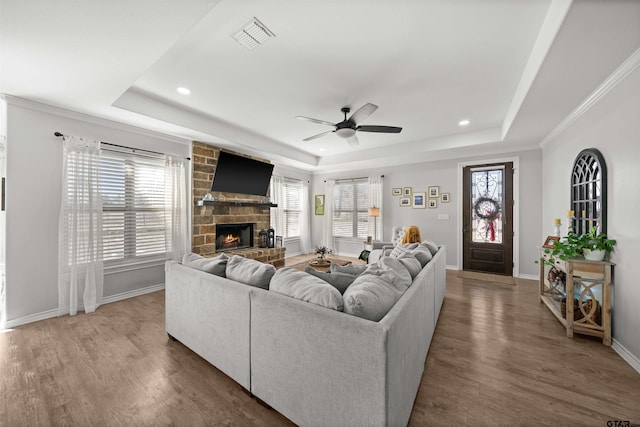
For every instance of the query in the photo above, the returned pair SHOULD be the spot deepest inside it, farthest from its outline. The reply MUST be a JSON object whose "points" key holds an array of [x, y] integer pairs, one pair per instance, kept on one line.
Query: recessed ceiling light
{"points": [[463, 122], [183, 90]]}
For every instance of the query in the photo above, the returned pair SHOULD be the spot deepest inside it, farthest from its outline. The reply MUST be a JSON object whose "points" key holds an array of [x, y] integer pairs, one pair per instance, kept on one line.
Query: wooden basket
{"points": [[577, 313]]}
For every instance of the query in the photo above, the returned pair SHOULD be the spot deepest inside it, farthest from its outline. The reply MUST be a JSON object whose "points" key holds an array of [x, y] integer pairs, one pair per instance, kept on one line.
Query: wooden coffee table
{"points": [[325, 266]]}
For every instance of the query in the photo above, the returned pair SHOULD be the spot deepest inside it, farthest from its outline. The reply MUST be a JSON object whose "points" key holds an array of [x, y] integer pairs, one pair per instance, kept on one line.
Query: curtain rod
{"points": [[352, 179], [58, 134]]}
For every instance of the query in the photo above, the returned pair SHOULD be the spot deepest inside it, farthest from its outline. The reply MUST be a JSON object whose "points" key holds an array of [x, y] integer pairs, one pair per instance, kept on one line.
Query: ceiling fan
{"points": [[347, 128]]}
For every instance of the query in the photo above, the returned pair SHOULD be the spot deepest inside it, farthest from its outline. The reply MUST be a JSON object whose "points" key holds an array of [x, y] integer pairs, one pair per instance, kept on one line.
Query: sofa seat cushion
{"points": [[306, 287], [340, 281], [249, 271], [373, 293], [216, 265]]}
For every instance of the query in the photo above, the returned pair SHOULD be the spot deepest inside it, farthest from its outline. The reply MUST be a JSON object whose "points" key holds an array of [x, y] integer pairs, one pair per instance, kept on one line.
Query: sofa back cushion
{"points": [[249, 271], [306, 287], [432, 246], [216, 265], [376, 290], [348, 269], [411, 263], [422, 254], [340, 281]]}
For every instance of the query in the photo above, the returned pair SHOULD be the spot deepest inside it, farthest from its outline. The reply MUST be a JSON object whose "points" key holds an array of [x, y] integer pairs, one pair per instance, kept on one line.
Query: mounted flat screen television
{"points": [[238, 174]]}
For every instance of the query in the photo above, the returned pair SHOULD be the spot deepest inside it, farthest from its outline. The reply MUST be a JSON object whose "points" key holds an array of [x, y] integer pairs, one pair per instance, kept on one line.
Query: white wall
{"points": [[34, 173], [612, 125], [445, 175]]}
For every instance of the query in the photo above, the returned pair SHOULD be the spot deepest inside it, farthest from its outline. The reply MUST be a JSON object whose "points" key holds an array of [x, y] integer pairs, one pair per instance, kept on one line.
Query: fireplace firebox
{"points": [[233, 236]]}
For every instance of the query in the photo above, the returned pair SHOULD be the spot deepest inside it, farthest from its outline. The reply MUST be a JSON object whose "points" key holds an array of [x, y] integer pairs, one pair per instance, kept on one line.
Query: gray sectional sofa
{"points": [[315, 365]]}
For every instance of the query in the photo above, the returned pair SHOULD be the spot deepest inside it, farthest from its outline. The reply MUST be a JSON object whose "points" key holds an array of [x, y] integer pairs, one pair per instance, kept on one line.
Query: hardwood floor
{"points": [[498, 357]]}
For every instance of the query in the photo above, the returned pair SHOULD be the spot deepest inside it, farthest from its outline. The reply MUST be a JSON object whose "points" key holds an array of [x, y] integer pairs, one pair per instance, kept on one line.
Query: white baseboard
{"points": [[30, 318], [529, 277], [628, 357], [452, 267], [133, 293], [54, 313]]}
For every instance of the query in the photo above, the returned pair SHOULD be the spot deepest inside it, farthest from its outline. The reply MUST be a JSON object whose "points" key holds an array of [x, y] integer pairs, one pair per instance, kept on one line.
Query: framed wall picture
{"points": [[419, 200], [548, 242], [319, 204], [434, 191], [433, 203], [405, 201], [406, 191], [445, 197], [396, 191]]}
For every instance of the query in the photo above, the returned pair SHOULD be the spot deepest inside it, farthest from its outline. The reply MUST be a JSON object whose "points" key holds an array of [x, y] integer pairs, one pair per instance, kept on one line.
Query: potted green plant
{"points": [[592, 245], [596, 245]]}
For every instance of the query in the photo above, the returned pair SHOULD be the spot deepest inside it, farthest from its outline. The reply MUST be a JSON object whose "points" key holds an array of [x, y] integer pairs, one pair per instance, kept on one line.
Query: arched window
{"points": [[589, 191]]}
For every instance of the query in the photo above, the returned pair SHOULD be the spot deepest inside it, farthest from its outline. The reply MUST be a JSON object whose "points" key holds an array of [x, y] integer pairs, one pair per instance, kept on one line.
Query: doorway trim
{"points": [[516, 208]]}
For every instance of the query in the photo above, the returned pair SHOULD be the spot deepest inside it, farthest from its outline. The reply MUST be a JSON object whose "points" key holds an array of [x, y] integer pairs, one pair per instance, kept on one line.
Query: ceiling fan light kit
{"points": [[345, 132], [347, 128]]}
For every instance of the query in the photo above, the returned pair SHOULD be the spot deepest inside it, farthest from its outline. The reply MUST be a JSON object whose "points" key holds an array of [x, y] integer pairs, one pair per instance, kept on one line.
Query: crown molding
{"points": [[627, 67], [70, 114]]}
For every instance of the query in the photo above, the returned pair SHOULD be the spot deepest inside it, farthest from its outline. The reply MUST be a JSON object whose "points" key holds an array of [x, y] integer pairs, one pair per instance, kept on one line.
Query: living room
{"points": [[581, 92]]}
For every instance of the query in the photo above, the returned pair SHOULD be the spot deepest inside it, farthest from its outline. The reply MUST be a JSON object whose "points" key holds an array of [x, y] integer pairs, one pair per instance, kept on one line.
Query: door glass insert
{"points": [[486, 204]]}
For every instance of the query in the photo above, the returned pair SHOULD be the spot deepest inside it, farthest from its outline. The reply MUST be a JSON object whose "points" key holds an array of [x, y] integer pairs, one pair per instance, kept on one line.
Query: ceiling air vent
{"points": [[254, 33]]}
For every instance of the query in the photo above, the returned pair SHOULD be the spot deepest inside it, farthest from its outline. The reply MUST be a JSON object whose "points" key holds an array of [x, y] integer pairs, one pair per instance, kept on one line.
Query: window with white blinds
{"points": [[291, 207], [350, 208], [133, 194]]}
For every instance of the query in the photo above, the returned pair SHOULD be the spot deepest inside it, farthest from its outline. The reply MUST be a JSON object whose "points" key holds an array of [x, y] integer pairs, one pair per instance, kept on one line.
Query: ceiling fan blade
{"points": [[382, 129], [318, 135], [353, 140], [363, 112], [320, 122]]}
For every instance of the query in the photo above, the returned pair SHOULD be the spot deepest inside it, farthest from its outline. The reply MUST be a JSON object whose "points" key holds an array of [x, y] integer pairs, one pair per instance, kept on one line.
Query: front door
{"points": [[488, 218]]}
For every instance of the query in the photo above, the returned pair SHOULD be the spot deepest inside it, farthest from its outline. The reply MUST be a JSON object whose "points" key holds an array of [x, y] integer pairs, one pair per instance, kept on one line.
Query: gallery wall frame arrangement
{"points": [[405, 202], [396, 191], [445, 197], [406, 191], [433, 203], [319, 204]]}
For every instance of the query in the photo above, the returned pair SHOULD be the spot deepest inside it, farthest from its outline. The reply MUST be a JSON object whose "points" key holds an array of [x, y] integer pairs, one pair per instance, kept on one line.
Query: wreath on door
{"points": [[488, 209]]}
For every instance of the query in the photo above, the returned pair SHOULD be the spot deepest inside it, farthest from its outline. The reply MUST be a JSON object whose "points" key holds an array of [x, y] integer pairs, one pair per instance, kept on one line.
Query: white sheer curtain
{"points": [[375, 201], [277, 197], [176, 215], [80, 266], [327, 235], [305, 231]]}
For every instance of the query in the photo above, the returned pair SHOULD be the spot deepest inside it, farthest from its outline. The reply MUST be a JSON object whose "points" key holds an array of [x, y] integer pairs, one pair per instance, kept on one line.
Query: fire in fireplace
{"points": [[233, 236]]}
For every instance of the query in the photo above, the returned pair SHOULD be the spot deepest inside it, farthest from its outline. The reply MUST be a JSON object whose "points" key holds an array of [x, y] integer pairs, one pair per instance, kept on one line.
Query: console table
{"points": [[582, 303]]}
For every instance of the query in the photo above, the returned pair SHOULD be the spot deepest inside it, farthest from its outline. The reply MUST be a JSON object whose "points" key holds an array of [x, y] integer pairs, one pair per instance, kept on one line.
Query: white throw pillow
{"points": [[249, 271], [305, 287]]}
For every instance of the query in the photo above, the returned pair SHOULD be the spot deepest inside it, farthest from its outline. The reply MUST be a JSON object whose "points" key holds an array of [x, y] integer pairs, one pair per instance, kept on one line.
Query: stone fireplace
{"points": [[226, 209], [233, 236]]}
